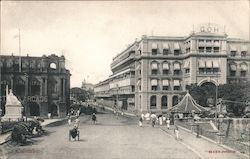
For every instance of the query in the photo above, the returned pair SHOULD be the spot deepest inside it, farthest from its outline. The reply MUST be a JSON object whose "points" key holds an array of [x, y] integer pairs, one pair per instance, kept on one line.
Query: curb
{"points": [[221, 145]]}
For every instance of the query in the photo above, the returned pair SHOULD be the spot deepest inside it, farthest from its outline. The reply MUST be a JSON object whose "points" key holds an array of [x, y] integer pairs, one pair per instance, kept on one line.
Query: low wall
{"points": [[235, 131]]}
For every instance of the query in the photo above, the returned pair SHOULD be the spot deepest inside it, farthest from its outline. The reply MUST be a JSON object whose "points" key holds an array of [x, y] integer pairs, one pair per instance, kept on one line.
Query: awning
{"points": [[165, 46], [165, 82], [165, 66], [176, 46], [186, 64], [209, 64], [233, 67], [154, 82], [215, 64], [176, 82], [233, 48], [138, 82], [154, 46], [244, 48], [243, 67], [202, 64], [154, 66], [177, 66], [120, 73]]}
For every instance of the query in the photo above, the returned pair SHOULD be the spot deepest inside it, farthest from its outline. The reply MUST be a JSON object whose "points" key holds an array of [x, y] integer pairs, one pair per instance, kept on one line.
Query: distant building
{"points": [[153, 73], [87, 86], [42, 84]]}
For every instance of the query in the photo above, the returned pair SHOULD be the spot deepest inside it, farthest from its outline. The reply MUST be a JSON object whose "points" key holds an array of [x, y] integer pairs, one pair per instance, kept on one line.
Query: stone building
{"points": [[153, 73], [42, 84]]}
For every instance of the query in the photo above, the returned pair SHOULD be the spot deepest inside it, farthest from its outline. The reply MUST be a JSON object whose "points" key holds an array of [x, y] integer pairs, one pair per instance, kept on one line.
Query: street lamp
{"points": [[220, 134]]}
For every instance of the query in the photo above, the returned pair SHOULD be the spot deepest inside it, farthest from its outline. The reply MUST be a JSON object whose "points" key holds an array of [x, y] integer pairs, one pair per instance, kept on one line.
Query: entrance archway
{"points": [[54, 109], [34, 109]]}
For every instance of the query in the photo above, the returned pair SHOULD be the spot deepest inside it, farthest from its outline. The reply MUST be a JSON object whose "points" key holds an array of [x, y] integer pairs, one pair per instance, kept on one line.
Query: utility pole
{"points": [[19, 36]]}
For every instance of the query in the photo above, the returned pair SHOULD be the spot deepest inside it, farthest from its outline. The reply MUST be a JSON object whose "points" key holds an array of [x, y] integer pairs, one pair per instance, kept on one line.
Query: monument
{"points": [[13, 107]]}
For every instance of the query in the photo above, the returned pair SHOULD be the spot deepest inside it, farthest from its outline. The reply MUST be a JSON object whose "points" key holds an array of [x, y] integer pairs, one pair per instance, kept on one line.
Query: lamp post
{"points": [[221, 118]]}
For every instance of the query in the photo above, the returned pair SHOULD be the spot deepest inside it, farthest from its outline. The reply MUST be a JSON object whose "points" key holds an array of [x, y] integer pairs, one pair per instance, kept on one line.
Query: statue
{"points": [[13, 107]]}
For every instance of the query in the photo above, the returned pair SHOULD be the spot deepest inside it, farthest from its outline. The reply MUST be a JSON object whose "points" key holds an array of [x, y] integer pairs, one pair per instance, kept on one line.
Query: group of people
{"points": [[161, 119]]}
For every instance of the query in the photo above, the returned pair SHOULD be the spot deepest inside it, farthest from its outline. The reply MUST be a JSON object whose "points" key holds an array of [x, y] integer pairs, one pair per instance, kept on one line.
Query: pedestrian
{"points": [[69, 120], [168, 123], [140, 121], [153, 122], [94, 118], [176, 131], [77, 122]]}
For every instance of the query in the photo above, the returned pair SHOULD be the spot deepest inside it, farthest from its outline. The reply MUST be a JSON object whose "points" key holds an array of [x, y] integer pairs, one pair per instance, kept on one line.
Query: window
{"points": [[215, 70], [201, 41], [187, 50], [164, 102], [165, 72], [176, 52], [201, 49], [154, 72], [216, 42], [154, 51], [209, 70], [187, 70], [202, 71], [165, 51], [153, 102], [176, 87], [177, 72], [208, 49], [154, 84], [232, 73], [233, 53], [243, 73], [243, 54], [216, 49], [175, 100], [52, 65], [165, 84], [208, 41]]}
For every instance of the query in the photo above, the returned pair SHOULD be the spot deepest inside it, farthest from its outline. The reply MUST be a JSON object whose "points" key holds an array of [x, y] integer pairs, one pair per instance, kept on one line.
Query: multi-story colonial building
{"points": [[42, 84], [154, 72]]}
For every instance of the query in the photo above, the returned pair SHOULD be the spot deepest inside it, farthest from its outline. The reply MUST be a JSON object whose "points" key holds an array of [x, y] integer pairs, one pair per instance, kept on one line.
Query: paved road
{"points": [[110, 138]]}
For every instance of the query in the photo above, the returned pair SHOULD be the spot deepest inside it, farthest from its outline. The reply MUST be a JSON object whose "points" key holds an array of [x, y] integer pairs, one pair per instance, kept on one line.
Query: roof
{"points": [[187, 105]]}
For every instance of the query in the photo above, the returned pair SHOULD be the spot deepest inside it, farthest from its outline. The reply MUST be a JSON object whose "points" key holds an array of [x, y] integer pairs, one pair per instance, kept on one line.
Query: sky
{"points": [[89, 34]]}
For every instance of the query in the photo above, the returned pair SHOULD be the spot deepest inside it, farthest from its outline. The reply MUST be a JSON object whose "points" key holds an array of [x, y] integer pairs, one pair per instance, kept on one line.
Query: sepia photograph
{"points": [[125, 79]]}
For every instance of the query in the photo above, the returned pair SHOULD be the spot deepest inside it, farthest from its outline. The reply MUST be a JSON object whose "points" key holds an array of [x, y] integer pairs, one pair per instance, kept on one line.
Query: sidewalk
{"points": [[4, 137], [203, 147]]}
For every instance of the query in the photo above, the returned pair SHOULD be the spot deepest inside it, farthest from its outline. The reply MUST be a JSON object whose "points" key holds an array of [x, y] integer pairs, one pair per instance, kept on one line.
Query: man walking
{"points": [[94, 118]]}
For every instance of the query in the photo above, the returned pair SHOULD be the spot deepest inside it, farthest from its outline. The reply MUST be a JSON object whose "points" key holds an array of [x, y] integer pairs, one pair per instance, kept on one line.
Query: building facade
{"points": [[42, 84], [153, 73]]}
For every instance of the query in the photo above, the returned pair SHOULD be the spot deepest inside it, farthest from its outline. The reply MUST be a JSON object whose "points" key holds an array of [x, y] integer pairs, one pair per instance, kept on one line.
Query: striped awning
{"points": [[165, 66], [202, 64], [165, 82], [209, 64], [215, 64], [177, 66], [165, 46], [154, 82], [154, 46], [233, 67], [186, 64], [154, 65], [243, 67], [176, 46], [177, 83], [233, 48]]}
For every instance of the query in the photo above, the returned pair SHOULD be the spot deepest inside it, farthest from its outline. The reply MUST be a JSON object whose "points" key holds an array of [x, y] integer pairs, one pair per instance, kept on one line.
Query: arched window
{"points": [[175, 100], [164, 102], [52, 65], [153, 102]]}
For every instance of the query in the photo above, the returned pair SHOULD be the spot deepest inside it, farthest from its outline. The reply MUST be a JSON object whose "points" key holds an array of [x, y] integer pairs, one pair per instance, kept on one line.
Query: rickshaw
{"points": [[74, 133]]}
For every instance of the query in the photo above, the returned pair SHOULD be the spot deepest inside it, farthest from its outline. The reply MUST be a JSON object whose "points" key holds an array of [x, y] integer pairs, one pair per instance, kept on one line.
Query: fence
{"points": [[234, 133]]}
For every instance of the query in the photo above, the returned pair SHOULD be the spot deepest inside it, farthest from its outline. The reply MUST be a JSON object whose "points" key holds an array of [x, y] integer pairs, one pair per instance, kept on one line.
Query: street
{"points": [[109, 138]]}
